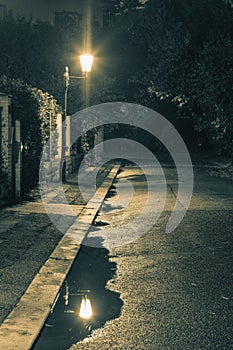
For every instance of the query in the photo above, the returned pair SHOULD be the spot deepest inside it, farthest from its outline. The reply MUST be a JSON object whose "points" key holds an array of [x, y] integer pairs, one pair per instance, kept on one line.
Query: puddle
{"points": [[88, 277], [100, 223]]}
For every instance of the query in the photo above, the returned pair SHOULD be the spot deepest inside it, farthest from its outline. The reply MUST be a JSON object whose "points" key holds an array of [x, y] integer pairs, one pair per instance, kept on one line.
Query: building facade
{"points": [[50, 10]]}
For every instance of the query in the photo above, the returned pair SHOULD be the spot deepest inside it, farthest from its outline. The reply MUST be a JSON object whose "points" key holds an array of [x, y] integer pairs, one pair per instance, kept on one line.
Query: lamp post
{"points": [[86, 64]]}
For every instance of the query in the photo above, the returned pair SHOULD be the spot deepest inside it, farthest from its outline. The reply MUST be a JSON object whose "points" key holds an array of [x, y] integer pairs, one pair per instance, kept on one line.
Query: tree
{"points": [[121, 7], [37, 52]]}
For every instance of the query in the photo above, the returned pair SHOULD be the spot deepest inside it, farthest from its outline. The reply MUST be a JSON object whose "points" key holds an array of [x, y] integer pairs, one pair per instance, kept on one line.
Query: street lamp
{"points": [[86, 64], [86, 61]]}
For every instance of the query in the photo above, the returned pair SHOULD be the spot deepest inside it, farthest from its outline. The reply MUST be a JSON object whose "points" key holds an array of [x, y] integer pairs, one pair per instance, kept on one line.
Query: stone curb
{"points": [[23, 325]]}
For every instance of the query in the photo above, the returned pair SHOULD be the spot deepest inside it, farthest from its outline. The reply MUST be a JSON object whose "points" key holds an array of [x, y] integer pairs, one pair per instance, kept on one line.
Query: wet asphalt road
{"points": [[177, 288], [162, 291]]}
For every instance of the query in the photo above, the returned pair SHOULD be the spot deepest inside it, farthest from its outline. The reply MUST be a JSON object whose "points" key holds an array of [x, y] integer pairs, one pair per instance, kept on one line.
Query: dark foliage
{"points": [[37, 111], [174, 56]]}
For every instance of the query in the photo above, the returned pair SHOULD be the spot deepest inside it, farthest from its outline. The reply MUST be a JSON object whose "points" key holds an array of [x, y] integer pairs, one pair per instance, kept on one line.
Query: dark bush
{"points": [[36, 110]]}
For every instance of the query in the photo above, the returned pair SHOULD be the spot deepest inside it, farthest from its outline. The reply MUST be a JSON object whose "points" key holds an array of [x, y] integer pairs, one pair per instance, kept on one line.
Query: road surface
{"points": [[177, 288], [161, 291]]}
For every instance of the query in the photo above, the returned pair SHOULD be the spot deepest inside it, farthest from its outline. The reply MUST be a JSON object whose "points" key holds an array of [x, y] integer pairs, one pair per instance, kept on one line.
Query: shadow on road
{"points": [[88, 275]]}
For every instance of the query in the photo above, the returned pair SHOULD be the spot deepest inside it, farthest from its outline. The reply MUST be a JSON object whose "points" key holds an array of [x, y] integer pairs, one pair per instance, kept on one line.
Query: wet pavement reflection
{"points": [[86, 281]]}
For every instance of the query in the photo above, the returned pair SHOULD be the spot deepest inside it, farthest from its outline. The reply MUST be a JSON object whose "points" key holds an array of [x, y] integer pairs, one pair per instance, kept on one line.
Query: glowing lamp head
{"points": [[86, 309], [86, 62]]}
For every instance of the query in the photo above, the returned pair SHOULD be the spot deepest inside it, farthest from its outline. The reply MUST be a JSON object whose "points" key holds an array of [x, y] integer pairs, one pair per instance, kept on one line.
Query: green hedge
{"points": [[36, 110]]}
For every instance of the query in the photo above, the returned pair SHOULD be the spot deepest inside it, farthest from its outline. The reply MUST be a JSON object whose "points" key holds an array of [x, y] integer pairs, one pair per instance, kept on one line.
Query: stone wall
{"points": [[11, 155], [6, 190]]}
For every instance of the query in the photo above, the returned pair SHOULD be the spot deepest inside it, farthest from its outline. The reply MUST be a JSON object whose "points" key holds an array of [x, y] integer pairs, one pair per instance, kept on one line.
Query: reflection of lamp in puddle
{"points": [[85, 308]]}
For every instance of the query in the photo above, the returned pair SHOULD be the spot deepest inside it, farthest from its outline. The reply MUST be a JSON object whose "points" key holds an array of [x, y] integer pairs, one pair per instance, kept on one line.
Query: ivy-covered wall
{"points": [[37, 112]]}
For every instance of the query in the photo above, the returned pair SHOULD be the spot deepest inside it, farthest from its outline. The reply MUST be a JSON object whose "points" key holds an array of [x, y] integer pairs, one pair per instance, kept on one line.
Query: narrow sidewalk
{"points": [[28, 237]]}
